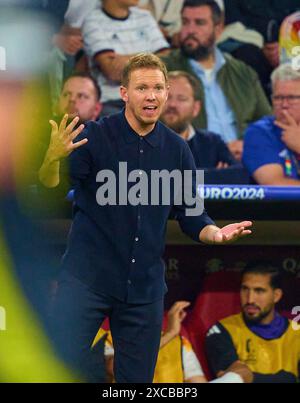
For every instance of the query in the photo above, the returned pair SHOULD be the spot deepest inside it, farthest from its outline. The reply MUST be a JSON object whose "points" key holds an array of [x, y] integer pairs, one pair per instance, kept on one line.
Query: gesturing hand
{"points": [[232, 232], [62, 136], [175, 316], [291, 132]]}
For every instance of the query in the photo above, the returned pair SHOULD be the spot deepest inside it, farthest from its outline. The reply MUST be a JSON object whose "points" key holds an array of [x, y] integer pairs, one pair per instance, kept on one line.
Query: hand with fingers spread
{"points": [[61, 145], [291, 132], [62, 137], [228, 234]]}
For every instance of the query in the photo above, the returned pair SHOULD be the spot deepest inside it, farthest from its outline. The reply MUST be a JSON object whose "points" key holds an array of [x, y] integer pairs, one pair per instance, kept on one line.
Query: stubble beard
{"points": [[201, 52]]}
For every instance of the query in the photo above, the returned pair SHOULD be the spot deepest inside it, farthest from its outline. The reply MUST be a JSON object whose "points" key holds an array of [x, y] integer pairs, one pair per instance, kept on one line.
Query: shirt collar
{"points": [[130, 136], [191, 133], [219, 62]]}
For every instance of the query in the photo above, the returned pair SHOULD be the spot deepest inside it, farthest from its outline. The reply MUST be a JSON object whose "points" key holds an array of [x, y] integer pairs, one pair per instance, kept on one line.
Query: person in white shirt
{"points": [[112, 34]]}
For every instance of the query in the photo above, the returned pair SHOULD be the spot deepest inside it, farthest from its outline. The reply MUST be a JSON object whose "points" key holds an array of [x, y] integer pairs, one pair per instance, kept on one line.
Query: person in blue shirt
{"points": [[112, 266], [272, 144]]}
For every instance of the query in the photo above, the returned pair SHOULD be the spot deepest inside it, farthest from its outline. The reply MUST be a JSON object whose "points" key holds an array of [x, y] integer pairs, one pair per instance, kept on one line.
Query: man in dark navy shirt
{"points": [[210, 152], [183, 105], [112, 266]]}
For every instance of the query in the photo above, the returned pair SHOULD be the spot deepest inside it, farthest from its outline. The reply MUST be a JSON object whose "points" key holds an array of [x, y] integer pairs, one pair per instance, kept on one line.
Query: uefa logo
{"points": [[2, 319], [2, 58]]}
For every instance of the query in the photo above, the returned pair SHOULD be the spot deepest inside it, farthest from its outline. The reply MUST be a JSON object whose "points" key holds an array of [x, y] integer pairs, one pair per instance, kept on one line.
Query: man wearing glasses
{"points": [[272, 144]]}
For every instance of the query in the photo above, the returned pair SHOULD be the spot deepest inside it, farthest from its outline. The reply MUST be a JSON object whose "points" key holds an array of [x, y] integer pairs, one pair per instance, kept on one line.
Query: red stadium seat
{"points": [[219, 298]]}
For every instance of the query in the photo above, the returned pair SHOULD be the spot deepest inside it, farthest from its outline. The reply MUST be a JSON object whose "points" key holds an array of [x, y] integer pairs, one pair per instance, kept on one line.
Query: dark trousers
{"points": [[77, 315]]}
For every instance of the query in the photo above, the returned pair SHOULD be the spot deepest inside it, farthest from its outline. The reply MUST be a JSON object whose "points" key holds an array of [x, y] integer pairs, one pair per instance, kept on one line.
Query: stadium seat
{"points": [[219, 298]]}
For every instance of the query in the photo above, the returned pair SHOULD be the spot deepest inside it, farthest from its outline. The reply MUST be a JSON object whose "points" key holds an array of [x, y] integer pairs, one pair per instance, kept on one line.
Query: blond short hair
{"points": [[143, 61]]}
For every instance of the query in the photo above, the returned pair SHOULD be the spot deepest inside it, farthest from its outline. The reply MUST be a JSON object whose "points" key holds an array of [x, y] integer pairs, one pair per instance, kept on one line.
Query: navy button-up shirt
{"points": [[117, 249]]}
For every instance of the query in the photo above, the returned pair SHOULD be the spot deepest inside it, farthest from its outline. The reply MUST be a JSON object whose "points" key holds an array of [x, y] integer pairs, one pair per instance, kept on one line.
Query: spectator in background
{"points": [[112, 34], [176, 362], [289, 40], [231, 94], [258, 336], [263, 16], [80, 97], [167, 14], [272, 144], [182, 106], [68, 40]]}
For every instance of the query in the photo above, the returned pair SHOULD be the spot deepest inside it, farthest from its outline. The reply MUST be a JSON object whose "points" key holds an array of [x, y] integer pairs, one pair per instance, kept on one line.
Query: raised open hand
{"points": [[62, 137]]}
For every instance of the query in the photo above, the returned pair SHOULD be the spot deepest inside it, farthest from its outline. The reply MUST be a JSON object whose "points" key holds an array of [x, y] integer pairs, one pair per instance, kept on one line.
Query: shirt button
{"points": [[136, 239], [129, 282], [141, 151], [139, 217], [133, 260]]}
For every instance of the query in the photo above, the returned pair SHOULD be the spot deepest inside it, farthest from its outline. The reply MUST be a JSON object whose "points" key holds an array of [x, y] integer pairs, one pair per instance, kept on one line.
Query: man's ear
{"points": [[197, 108], [277, 295], [219, 28], [98, 109], [168, 90], [124, 93]]}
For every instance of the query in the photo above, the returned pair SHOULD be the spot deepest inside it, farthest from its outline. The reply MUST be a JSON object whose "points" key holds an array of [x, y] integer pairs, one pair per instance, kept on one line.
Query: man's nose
{"points": [[151, 95], [285, 103], [251, 297], [189, 29]]}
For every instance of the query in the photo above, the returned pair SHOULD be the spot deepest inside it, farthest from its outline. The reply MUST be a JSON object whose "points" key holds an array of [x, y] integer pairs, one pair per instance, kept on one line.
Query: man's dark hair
{"points": [[265, 268], [216, 12], [89, 77]]}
